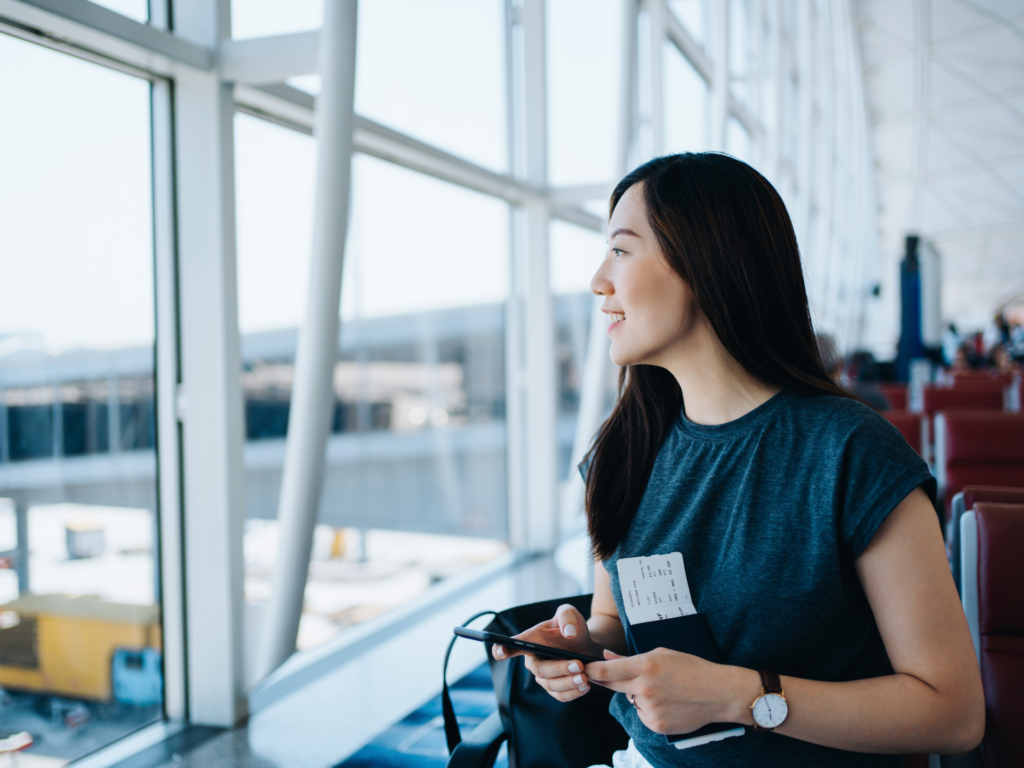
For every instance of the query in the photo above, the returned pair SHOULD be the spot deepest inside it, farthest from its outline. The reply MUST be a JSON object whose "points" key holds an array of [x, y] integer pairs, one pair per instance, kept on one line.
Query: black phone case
{"points": [[686, 634]]}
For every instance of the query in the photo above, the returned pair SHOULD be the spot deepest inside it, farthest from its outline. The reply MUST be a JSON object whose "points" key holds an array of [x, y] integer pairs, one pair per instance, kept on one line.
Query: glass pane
{"points": [[576, 254], [741, 50], [80, 637], [263, 18], [436, 71], [584, 44], [686, 104], [275, 172], [737, 141], [133, 9], [415, 484], [695, 17]]}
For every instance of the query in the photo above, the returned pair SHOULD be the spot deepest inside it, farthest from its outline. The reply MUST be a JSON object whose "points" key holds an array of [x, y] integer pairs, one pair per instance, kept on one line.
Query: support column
{"points": [[317, 352], [656, 11], [720, 81], [922, 104], [530, 340], [58, 422], [213, 425], [5, 435], [595, 371], [170, 573], [805, 135], [21, 563], [628, 98], [113, 416]]}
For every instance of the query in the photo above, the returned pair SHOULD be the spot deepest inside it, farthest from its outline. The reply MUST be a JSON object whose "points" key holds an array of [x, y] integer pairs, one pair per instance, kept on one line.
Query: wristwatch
{"points": [[770, 708]]}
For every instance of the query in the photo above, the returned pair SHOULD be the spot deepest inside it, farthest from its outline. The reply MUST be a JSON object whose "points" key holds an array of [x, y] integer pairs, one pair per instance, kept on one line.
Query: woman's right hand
{"points": [[565, 680]]}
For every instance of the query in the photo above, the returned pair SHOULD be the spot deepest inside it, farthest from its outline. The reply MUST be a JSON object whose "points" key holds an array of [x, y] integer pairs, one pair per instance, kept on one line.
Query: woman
{"points": [[805, 522]]}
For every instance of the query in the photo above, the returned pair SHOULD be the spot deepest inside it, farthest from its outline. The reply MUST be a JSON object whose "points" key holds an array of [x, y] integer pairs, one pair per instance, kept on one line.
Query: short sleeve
{"points": [[879, 470]]}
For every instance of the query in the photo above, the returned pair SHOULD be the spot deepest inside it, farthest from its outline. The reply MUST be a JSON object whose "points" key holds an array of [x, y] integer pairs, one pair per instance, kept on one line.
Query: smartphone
{"points": [[510, 642]]}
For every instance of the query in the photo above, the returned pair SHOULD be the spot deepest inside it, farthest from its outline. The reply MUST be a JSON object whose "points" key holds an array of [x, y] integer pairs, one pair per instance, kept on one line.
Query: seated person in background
{"points": [[1003, 362], [805, 522]]}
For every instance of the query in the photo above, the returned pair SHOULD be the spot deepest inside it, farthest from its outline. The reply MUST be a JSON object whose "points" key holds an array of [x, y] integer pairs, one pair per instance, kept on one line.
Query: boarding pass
{"points": [[654, 588]]}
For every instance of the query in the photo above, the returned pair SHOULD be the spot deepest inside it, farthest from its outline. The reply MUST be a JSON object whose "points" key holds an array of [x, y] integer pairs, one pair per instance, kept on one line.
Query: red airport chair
{"points": [[991, 540], [968, 378], [896, 394], [977, 448], [965, 500], [913, 427], [954, 399]]}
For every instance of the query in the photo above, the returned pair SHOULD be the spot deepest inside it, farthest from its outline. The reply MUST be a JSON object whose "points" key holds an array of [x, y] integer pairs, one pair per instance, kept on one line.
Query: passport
{"points": [[686, 634]]}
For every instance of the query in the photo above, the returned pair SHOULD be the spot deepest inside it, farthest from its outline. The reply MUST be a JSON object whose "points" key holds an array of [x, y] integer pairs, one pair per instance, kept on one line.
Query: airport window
{"points": [[686, 104], [584, 42], [695, 17], [417, 446], [576, 253], [133, 9], [78, 588]]}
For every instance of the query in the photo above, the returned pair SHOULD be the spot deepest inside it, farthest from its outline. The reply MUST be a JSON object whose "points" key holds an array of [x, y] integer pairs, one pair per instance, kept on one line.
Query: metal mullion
{"points": [[691, 50], [43, 38], [167, 379], [292, 108], [91, 20]]}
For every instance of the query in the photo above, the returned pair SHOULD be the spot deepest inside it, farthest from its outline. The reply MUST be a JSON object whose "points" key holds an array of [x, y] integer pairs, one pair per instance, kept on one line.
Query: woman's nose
{"points": [[600, 284]]}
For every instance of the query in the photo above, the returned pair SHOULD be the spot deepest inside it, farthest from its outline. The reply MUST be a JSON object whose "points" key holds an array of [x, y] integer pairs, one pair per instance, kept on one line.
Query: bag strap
{"points": [[451, 724], [480, 749]]}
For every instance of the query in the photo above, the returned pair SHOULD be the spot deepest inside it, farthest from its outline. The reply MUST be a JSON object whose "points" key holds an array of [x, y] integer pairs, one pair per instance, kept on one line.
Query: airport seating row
{"points": [[976, 447], [990, 544]]}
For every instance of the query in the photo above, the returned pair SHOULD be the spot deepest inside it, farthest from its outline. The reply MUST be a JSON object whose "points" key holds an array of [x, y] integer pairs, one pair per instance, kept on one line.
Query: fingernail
{"points": [[583, 688], [569, 630], [499, 651], [578, 679], [574, 667]]}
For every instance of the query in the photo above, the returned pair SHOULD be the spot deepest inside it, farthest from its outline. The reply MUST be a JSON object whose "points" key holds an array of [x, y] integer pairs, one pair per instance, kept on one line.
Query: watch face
{"points": [[770, 710]]}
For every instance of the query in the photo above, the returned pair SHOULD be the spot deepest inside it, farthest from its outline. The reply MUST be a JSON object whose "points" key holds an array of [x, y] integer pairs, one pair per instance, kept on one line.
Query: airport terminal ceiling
{"points": [[944, 86]]}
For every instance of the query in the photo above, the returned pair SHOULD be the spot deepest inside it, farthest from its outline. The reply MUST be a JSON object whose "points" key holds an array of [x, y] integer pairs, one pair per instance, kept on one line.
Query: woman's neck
{"points": [[716, 389]]}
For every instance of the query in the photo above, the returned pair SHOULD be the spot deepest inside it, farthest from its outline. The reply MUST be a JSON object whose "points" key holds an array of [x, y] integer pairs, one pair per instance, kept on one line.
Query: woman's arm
{"points": [[932, 703], [605, 625]]}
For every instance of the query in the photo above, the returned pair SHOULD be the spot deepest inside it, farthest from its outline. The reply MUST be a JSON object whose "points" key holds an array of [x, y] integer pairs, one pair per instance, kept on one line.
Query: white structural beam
{"points": [[269, 59], [720, 78], [99, 29], [690, 48], [295, 108], [211, 364], [629, 98], [579, 217], [171, 594], [656, 13], [172, 579], [530, 340], [580, 194], [317, 352], [922, 105]]}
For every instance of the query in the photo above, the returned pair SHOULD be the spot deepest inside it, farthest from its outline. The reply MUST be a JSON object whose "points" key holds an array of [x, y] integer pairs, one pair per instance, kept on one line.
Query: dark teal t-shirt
{"points": [[769, 512]]}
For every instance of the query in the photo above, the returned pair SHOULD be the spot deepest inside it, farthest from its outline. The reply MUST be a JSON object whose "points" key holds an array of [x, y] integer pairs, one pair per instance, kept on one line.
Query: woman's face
{"points": [[651, 311]]}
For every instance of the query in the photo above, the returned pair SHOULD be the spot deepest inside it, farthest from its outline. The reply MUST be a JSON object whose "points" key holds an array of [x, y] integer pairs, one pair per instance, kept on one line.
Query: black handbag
{"points": [[541, 731]]}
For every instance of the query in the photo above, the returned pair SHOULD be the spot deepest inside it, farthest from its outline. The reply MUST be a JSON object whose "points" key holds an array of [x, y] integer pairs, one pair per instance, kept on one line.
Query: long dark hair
{"points": [[724, 229]]}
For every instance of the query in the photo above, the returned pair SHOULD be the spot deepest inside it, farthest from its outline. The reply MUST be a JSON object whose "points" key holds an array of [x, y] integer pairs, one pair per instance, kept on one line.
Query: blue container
{"points": [[137, 676]]}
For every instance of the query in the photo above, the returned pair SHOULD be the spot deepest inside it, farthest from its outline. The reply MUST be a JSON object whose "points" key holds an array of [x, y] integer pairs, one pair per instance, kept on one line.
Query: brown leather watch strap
{"points": [[770, 682]]}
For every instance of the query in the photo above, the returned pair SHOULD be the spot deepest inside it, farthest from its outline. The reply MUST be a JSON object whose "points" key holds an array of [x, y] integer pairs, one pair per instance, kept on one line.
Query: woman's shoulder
{"points": [[835, 415]]}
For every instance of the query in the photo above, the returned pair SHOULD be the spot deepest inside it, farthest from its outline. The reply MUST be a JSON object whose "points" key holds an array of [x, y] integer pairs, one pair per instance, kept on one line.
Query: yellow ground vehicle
{"points": [[53, 644]]}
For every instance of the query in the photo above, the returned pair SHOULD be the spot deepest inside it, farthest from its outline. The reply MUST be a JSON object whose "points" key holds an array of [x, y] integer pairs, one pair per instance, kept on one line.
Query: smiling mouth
{"points": [[614, 318]]}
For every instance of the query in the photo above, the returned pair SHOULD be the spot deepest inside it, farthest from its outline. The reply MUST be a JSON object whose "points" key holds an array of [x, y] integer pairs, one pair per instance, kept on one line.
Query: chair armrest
{"points": [[480, 748]]}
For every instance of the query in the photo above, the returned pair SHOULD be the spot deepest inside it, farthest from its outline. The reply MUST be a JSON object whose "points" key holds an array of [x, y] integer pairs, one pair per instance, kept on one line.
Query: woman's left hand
{"points": [[675, 692]]}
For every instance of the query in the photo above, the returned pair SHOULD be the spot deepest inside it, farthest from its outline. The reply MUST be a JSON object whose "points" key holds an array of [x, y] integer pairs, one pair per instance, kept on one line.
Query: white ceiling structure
{"points": [[944, 86]]}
